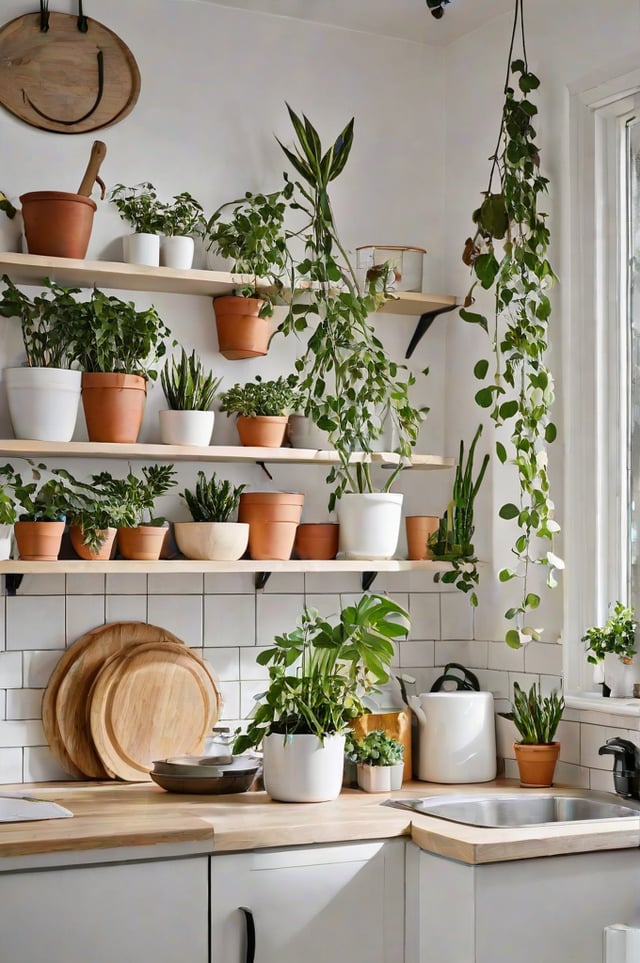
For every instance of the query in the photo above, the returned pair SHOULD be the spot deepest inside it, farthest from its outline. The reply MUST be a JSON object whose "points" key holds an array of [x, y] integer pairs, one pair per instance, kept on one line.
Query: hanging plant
{"points": [[508, 254]]}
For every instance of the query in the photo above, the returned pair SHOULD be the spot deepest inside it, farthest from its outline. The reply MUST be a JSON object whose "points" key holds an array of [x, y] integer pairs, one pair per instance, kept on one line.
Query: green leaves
{"points": [[212, 500], [186, 384], [474, 318], [275, 398], [617, 635], [536, 717]]}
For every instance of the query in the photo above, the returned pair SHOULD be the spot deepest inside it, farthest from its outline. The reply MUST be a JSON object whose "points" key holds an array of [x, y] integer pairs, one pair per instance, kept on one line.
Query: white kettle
{"points": [[456, 736]]}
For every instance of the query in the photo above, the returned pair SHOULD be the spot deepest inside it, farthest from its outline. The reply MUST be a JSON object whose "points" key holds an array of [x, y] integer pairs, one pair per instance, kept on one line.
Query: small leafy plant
{"points": [[617, 635], [378, 749], [95, 507], [536, 718], [182, 216], [273, 398], [186, 384], [35, 500], [137, 495], [44, 321], [7, 207], [139, 206], [212, 500]]}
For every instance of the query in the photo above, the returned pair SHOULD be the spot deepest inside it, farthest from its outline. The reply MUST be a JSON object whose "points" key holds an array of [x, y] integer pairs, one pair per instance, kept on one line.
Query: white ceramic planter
{"points": [[177, 252], [380, 778], [369, 525], [301, 768], [212, 541], [618, 676], [186, 427], [142, 249], [43, 402]]}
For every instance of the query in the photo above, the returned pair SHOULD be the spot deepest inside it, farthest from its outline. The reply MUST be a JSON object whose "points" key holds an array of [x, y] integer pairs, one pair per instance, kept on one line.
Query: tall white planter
{"points": [[177, 252], [186, 427], [142, 249], [369, 525], [43, 402], [301, 768]]}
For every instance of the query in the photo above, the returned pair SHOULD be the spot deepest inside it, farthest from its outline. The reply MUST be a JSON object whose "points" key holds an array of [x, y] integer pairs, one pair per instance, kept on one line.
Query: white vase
{"points": [[142, 249], [186, 427], [618, 676], [380, 778], [301, 768], [212, 541], [177, 252], [369, 525], [43, 402]]}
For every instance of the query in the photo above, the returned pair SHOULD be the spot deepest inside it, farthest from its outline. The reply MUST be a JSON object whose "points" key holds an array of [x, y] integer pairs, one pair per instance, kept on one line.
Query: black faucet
{"points": [[626, 769]]}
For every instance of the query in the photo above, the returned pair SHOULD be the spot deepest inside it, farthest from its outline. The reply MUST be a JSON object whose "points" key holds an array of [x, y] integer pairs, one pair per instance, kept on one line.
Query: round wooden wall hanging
{"points": [[64, 73]]}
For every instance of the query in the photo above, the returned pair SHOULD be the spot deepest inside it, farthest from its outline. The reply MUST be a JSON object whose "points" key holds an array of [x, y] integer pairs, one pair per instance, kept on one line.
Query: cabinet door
{"points": [[310, 905], [98, 914]]}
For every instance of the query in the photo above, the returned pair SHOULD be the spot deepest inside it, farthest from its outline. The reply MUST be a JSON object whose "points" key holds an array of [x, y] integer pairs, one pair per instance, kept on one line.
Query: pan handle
{"points": [[98, 154], [250, 953]]}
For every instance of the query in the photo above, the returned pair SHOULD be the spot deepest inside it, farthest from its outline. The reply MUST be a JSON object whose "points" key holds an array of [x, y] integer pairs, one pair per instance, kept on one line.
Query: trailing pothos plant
{"points": [[347, 378], [508, 254]]}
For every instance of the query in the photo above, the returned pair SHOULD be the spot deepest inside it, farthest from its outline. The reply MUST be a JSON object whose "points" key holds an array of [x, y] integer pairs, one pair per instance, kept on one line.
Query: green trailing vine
{"points": [[519, 391]]}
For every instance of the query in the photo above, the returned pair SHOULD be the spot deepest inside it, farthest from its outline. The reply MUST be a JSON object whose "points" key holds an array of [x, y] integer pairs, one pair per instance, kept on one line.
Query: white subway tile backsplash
{"points": [[285, 583], [24, 704], [84, 612], [601, 781], [229, 620], [224, 662], [180, 614], [85, 583], [328, 606], [276, 614], [248, 690], [504, 658], [568, 735], [42, 585], [125, 608], [392, 583], [456, 617], [496, 682], [164, 583], [37, 668], [3, 703], [11, 670], [416, 653], [238, 583], [591, 738], [543, 657], [22, 733], [250, 670], [424, 676], [230, 692], [126, 584], [524, 680], [40, 766], [471, 654], [333, 582], [549, 684], [36, 622], [571, 775], [10, 765], [424, 611]]}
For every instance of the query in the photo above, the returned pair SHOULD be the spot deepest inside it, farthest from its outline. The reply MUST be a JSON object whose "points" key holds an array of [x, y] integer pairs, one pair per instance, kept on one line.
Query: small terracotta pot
{"points": [[419, 528], [536, 764], [56, 223], [144, 542], [262, 431], [113, 406], [241, 333], [39, 541], [271, 540], [105, 551], [317, 540], [270, 507]]}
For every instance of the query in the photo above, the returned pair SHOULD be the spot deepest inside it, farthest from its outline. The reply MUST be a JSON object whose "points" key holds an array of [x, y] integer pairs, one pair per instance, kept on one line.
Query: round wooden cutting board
{"points": [[64, 705], [148, 702]]}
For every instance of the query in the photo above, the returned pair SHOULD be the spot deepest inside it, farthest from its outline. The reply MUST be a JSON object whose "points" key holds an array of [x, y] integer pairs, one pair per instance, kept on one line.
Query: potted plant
{"points": [[44, 394], [180, 219], [93, 516], [117, 347], [211, 534], [190, 391], [252, 238], [139, 206], [262, 409], [37, 510], [273, 519], [140, 535], [379, 762], [536, 718], [319, 540], [611, 644], [319, 677]]}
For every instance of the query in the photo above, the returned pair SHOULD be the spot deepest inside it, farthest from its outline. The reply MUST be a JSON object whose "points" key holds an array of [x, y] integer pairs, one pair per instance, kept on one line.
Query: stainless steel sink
{"points": [[501, 810]]}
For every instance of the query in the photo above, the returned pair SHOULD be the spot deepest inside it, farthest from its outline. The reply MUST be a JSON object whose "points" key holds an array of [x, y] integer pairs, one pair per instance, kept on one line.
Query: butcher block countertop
{"points": [[110, 816]]}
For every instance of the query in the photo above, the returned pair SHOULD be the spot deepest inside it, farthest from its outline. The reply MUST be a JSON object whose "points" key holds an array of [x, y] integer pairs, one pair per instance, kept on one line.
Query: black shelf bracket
{"points": [[424, 323], [367, 580], [261, 579], [265, 470], [12, 583]]}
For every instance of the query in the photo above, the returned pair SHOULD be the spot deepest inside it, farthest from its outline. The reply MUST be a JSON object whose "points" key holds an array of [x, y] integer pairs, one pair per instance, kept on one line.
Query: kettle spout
{"points": [[416, 705]]}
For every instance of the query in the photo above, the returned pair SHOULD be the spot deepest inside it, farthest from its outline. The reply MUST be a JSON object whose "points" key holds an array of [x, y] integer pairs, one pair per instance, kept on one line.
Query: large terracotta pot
{"points": [[272, 540], [143, 543], [241, 333], [262, 431], [113, 406], [39, 541], [105, 551], [419, 528], [317, 540], [536, 764], [56, 223], [273, 518]]}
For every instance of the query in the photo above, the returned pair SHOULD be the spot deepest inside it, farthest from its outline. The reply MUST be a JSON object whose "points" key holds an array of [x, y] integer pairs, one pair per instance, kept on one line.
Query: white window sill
{"points": [[594, 702]]}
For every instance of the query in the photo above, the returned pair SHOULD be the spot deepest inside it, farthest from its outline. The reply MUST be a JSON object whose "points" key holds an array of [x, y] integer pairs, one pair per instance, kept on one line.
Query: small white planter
{"points": [[380, 778], [43, 402], [186, 427], [177, 252], [369, 525], [212, 541], [301, 768], [142, 249]]}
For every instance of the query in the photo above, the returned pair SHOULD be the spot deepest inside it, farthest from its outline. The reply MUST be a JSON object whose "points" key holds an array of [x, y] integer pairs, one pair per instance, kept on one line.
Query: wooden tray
{"points": [[148, 702], [64, 716]]}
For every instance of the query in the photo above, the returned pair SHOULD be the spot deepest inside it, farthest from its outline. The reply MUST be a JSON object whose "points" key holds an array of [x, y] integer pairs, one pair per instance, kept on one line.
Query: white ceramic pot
{"points": [[619, 677], [177, 252], [457, 736], [186, 427], [142, 249], [380, 778], [303, 433], [301, 768], [369, 525], [212, 541], [43, 402]]}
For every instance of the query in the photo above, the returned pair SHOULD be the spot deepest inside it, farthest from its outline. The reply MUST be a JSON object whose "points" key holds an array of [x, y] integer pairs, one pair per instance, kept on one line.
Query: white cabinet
{"points": [[311, 905], [130, 912]]}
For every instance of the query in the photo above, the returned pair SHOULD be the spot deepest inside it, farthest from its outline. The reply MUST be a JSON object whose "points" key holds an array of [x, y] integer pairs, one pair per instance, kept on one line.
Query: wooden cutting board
{"points": [[64, 716], [151, 701]]}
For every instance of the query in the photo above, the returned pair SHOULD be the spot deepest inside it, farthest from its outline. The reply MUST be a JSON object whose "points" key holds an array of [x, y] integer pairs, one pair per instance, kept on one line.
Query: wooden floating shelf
{"points": [[186, 566], [33, 268], [16, 448]]}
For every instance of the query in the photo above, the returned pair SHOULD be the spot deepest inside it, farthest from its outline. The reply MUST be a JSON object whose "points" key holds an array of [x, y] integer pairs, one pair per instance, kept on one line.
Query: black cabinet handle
{"points": [[250, 953]]}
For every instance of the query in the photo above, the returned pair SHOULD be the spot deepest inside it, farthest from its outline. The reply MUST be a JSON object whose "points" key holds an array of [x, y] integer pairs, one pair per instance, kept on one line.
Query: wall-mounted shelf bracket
{"points": [[424, 323], [367, 580], [12, 583], [265, 470], [260, 580]]}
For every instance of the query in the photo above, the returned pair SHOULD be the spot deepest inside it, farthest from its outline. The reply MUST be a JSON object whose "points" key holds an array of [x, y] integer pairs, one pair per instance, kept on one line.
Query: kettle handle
{"points": [[416, 705]]}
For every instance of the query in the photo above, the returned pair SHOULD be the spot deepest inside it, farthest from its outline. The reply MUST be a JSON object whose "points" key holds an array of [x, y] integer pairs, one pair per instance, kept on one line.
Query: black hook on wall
{"points": [[44, 16]]}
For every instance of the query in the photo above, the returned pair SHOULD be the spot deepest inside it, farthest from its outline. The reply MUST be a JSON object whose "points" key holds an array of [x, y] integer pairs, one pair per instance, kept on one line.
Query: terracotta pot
{"points": [[262, 431], [419, 528], [113, 406], [56, 223], [271, 540], [270, 507], [39, 541], [536, 764], [144, 542], [105, 551], [317, 540], [241, 333]]}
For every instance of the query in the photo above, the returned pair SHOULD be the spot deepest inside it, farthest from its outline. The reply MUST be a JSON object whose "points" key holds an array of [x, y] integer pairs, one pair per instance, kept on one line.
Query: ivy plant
{"points": [[139, 206], [182, 216], [508, 255]]}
